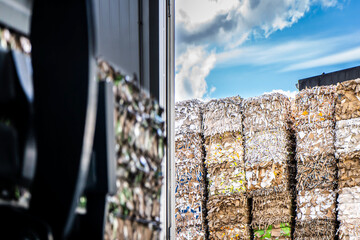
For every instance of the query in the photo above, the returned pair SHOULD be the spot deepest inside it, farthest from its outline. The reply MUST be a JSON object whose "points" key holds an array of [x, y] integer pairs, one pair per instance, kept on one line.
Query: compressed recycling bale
{"points": [[134, 211], [222, 115], [135, 201], [231, 232], [348, 100], [349, 213], [347, 134], [188, 117], [269, 179], [189, 179], [227, 147], [272, 209], [189, 166], [188, 148], [267, 146], [269, 164], [125, 229], [269, 111], [316, 172], [226, 179], [189, 210], [227, 210], [277, 231], [190, 233], [314, 105], [315, 140], [316, 214], [316, 204], [349, 170], [225, 163], [315, 229]]}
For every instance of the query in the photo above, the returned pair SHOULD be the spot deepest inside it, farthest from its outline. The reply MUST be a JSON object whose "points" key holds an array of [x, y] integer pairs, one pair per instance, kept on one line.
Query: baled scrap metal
{"points": [[227, 210], [349, 212], [315, 229], [222, 115], [188, 117], [231, 232], [272, 209], [269, 111], [349, 170], [314, 106], [191, 233], [347, 137], [348, 100]]}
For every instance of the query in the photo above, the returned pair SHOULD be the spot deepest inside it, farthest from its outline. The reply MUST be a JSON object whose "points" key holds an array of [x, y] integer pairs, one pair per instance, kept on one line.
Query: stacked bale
{"points": [[269, 164], [316, 164], [190, 173], [134, 212], [347, 144], [227, 206]]}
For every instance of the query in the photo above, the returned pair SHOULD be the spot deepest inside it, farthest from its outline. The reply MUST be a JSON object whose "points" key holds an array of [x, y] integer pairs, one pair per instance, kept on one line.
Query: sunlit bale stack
{"points": [[227, 206], [313, 112], [190, 173], [347, 144], [269, 164], [134, 212]]}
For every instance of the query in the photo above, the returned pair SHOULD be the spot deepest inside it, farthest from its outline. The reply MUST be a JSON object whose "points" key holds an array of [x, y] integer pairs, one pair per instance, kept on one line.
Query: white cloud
{"points": [[341, 57], [228, 24], [288, 53], [290, 94], [192, 67]]}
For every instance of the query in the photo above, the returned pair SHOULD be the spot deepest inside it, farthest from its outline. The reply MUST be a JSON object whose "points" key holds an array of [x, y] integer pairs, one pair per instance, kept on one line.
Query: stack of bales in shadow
{"points": [[190, 173], [316, 164], [227, 206], [347, 144], [134, 212], [269, 165]]}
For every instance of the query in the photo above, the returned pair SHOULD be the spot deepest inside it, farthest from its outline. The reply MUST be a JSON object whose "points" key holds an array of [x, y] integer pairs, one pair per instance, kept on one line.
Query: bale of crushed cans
{"points": [[190, 196], [347, 142], [228, 209], [134, 211], [269, 164], [314, 118]]}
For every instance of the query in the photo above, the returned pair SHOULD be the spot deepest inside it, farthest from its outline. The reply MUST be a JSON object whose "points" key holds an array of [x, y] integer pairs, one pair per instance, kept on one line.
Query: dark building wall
{"points": [[128, 37]]}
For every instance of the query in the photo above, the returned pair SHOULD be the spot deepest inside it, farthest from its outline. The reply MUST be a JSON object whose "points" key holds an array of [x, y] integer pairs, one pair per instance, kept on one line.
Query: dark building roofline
{"points": [[330, 78]]}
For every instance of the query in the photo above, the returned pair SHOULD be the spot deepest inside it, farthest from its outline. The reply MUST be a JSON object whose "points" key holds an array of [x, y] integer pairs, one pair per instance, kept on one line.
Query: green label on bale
{"points": [[285, 231]]}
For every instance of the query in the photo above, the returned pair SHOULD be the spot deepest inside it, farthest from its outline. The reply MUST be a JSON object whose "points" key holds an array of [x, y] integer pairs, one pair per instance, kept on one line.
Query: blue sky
{"points": [[249, 47]]}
